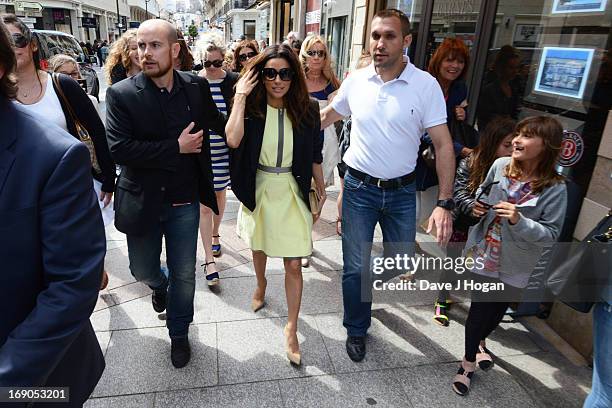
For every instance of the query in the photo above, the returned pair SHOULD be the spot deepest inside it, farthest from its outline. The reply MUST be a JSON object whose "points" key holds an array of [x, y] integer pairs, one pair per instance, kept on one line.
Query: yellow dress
{"points": [[281, 225]]}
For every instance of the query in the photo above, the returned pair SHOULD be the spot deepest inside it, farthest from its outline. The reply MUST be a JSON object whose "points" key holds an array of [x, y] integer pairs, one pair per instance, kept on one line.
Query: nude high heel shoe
{"points": [[256, 303], [294, 357]]}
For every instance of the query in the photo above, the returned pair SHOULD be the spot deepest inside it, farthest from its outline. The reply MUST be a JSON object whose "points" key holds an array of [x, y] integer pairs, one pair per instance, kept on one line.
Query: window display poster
{"points": [[564, 71], [578, 6], [526, 35]]}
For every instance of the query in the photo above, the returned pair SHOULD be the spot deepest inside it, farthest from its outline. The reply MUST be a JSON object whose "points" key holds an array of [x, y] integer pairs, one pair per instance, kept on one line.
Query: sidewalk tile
{"points": [[254, 350], [253, 395], [432, 384], [550, 378], [127, 401], [138, 361], [379, 388], [104, 339], [387, 347]]}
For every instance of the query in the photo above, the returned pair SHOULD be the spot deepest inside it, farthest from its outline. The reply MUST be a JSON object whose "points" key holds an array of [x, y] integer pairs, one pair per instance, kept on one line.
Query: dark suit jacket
{"points": [[87, 114], [52, 253], [137, 136], [307, 149]]}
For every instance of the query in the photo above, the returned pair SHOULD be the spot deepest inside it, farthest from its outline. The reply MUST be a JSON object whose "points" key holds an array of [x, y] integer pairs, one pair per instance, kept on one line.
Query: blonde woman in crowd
{"points": [[122, 61], [65, 64], [322, 84]]}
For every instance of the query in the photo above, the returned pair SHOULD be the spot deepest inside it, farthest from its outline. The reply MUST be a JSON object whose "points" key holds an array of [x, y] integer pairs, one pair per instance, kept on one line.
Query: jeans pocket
{"points": [[351, 183]]}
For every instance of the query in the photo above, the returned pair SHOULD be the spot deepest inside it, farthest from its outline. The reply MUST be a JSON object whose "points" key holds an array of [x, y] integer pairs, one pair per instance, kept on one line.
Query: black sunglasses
{"points": [[486, 190], [285, 74], [319, 53], [215, 63], [20, 40], [247, 56]]}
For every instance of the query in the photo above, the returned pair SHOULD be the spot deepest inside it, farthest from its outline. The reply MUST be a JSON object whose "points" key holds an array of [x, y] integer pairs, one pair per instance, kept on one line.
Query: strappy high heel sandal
{"points": [[461, 382], [440, 317], [212, 279], [484, 359], [216, 248]]}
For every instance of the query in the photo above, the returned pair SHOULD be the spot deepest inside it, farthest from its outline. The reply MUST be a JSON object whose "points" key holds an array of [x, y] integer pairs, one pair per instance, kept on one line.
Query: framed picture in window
{"points": [[578, 6], [564, 71]]}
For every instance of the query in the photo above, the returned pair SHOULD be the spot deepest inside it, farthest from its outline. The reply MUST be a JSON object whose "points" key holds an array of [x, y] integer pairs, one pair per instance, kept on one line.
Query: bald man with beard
{"points": [[157, 130]]}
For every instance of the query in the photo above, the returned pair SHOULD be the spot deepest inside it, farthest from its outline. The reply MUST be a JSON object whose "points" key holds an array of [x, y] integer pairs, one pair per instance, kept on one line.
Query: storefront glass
{"points": [[552, 57], [412, 8]]}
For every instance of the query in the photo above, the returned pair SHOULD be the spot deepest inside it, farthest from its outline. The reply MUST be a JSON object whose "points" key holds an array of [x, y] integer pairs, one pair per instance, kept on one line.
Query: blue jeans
{"points": [[179, 226], [601, 394], [364, 205]]}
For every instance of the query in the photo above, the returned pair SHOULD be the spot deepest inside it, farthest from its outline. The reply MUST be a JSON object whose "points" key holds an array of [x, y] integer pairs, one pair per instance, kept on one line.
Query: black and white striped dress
{"points": [[219, 152]]}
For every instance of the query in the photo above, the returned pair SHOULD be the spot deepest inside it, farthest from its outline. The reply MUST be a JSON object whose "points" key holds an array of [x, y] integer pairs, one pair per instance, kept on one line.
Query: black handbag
{"points": [[579, 273]]}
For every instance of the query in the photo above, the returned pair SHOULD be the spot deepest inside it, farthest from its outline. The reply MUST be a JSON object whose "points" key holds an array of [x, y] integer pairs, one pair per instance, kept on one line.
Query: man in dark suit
{"points": [[157, 125], [52, 250]]}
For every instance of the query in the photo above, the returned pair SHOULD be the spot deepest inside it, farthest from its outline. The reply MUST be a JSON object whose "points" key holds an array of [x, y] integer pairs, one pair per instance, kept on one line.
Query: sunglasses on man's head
{"points": [[486, 190], [215, 63], [319, 53], [20, 40], [244, 57], [285, 74]]}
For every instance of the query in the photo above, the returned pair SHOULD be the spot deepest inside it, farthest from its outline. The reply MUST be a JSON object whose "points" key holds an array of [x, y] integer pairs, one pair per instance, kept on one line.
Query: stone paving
{"points": [[238, 357]]}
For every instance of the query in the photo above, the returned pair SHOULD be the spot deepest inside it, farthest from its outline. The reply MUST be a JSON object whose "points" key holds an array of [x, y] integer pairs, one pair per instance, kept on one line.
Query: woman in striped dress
{"points": [[221, 87]]}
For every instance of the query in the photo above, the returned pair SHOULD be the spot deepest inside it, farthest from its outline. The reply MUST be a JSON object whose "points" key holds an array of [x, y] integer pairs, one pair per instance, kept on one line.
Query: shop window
{"points": [[249, 29], [552, 57], [412, 8]]}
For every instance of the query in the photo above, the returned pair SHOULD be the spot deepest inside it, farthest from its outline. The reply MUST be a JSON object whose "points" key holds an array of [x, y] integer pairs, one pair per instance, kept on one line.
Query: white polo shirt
{"points": [[389, 118]]}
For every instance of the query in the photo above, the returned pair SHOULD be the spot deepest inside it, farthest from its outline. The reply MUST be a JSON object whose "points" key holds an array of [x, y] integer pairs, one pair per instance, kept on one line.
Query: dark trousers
{"points": [[486, 312], [179, 226]]}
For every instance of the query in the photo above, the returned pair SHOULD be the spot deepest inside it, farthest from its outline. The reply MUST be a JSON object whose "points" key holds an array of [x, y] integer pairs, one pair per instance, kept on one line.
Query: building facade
{"points": [[87, 20]]}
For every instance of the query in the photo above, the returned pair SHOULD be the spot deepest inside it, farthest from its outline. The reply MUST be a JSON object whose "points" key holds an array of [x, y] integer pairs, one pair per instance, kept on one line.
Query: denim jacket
{"points": [[539, 226]]}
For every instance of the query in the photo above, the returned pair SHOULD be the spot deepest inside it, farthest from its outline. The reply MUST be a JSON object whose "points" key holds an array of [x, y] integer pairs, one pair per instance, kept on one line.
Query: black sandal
{"points": [[212, 279], [216, 248]]}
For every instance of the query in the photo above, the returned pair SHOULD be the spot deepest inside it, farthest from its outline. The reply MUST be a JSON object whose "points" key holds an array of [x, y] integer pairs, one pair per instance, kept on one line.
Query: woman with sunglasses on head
{"points": [[245, 51], [61, 102], [495, 142], [222, 90], [122, 61], [521, 205], [273, 130]]}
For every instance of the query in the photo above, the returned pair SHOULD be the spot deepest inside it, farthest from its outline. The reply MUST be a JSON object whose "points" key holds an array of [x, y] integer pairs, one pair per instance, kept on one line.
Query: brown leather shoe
{"points": [[104, 283]]}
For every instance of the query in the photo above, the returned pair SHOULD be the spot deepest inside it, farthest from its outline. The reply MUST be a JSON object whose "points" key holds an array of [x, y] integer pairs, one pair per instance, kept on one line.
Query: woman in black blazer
{"points": [[221, 84], [40, 95], [274, 131]]}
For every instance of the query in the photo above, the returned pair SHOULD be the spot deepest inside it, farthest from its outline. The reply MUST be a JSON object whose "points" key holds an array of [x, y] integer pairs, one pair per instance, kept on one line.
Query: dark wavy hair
{"points": [[297, 98], [8, 83], [484, 154], [26, 32], [252, 44]]}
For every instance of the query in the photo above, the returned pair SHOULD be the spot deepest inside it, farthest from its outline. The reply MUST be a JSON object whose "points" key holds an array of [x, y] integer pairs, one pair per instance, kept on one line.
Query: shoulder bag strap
{"points": [[60, 92]]}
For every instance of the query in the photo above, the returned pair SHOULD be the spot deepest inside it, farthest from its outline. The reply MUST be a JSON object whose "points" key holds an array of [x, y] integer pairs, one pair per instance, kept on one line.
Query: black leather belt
{"points": [[382, 183]]}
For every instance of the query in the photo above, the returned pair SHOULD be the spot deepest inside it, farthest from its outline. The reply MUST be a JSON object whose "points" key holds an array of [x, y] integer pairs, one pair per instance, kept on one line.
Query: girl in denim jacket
{"points": [[521, 204]]}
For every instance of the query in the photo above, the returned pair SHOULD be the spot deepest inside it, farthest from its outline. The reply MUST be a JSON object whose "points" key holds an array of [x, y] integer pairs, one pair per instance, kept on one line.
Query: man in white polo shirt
{"points": [[392, 103]]}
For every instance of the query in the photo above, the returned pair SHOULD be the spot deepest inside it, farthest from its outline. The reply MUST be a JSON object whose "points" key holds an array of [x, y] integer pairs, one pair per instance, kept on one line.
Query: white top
{"points": [[389, 118], [48, 107]]}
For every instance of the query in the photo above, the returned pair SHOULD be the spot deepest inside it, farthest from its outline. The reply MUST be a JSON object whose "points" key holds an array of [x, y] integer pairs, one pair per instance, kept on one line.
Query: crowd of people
{"points": [[263, 121]]}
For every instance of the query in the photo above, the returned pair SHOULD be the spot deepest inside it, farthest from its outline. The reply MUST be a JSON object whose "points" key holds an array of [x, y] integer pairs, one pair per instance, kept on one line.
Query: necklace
{"points": [[25, 94]]}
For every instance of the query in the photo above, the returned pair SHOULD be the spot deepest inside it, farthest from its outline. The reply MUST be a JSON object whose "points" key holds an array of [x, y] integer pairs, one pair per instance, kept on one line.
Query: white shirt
{"points": [[389, 118], [49, 107]]}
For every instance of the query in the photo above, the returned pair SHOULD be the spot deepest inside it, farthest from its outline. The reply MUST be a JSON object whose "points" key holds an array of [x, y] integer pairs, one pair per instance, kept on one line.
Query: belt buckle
{"points": [[378, 183]]}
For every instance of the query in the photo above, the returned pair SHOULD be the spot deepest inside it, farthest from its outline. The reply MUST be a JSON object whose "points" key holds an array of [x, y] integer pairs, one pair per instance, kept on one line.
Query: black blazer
{"points": [[52, 254], [137, 136], [307, 149], [227, 87], [87, 114]]}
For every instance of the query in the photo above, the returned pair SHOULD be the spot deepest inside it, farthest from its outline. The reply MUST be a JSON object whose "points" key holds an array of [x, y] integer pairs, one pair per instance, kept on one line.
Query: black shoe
{"points": [[159, 299], [180, 352], [356, 348]]}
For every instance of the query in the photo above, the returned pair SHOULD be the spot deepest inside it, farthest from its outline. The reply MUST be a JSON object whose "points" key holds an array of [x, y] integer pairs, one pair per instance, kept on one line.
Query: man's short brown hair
{"points": [[8, 82], [403, 18]]}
